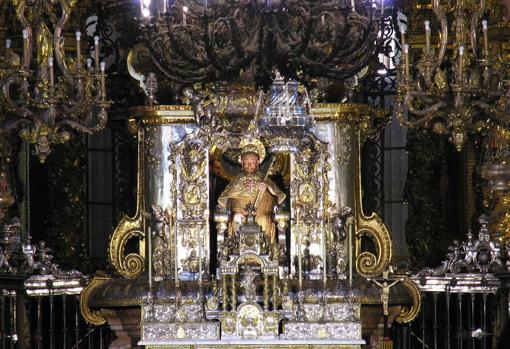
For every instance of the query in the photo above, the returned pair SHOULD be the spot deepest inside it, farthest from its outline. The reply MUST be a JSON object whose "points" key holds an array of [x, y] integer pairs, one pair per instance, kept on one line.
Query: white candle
{"points": [[96, 51], [7, 43], [176, 260], [200, 257], [323, 251], [353, 6], [461, 59], [78, 49], [149, 262], [50, 68], [89, 63], [382, 7], [145, 7], [184, 12], [300, 254], [402, 35], [349, 248], [427, 36], [103, 85], [25, 47], [485, 38], [406, 60]]}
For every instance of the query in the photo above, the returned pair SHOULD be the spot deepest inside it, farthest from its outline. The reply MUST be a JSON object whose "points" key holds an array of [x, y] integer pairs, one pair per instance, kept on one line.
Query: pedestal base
{"points": [[255, 344]]}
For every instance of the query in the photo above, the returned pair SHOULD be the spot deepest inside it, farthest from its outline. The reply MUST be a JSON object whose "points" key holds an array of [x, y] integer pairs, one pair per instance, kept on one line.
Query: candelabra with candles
{"points": [[47, 94], [452, 91]]}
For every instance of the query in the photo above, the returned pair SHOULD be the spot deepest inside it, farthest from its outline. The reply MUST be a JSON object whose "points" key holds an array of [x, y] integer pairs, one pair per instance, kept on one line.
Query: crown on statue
{"points": [[252, 145]]}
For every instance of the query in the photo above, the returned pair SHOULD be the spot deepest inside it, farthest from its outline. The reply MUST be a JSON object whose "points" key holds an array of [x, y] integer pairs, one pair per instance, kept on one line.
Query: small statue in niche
{"points": [[287, 303], [213, 300], [307, 258], [247, 283], [162, 260]]}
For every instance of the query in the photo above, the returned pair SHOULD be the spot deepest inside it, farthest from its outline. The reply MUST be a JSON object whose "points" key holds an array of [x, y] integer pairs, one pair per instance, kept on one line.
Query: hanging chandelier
{"points": [[43, 92], [459, 85], [193, 41]]}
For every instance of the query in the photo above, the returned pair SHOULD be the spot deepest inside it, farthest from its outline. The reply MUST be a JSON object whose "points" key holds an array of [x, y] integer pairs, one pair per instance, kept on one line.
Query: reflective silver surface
{"points": [[341, 140]]}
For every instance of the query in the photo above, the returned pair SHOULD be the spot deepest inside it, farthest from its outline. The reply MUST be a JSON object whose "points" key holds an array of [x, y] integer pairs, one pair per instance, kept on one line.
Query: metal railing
{"points": [[50, 320], [465, 301]]}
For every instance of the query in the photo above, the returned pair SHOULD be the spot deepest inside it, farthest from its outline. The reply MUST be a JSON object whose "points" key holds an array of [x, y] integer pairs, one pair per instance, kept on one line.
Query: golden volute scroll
{"points": [[132, 265]]}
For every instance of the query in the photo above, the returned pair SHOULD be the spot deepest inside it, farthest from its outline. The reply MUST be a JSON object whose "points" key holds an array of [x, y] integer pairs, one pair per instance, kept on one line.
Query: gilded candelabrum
{"points": [[455, 87], [44, 92]]}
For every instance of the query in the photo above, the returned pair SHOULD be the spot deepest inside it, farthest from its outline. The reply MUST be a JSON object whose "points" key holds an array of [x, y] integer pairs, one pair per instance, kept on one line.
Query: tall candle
{"points": [[427, 36], [406, 60], [96, 51], [349, 248], [323, 251], [78, 49], [26, 63], [145, 7], [176, 260], [50, 68], [461, 59], [200, 257], [402, 35], [103, 85], [300, 254], [149, 250], [184, 12], [485, 38]]}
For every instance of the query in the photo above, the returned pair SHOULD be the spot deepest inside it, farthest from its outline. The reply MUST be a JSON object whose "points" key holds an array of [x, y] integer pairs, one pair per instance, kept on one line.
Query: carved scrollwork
{"points": [[409, 313], [369, 264], [132, 265], [92, 317]]}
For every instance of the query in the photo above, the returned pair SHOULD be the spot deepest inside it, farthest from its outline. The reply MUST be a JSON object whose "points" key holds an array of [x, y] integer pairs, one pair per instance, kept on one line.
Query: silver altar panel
{"points": [[308, 212], [333, 312], [342, 148], [178, 331], [158, 178], [322, 330]]}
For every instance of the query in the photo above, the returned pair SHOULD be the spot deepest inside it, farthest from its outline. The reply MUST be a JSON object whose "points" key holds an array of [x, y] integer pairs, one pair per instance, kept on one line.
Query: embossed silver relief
{"points": [[315, 330], [151, 154], [161, 230], [344, 150], [172, 331], [309, 195]]}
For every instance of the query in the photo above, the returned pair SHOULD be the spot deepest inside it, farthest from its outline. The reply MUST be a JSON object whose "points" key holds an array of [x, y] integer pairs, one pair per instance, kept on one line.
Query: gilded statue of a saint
{"points": [[252, 187]]}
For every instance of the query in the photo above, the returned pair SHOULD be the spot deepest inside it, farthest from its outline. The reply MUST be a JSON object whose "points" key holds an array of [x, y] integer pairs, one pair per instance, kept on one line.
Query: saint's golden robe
{"points": [[244, 189]]}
